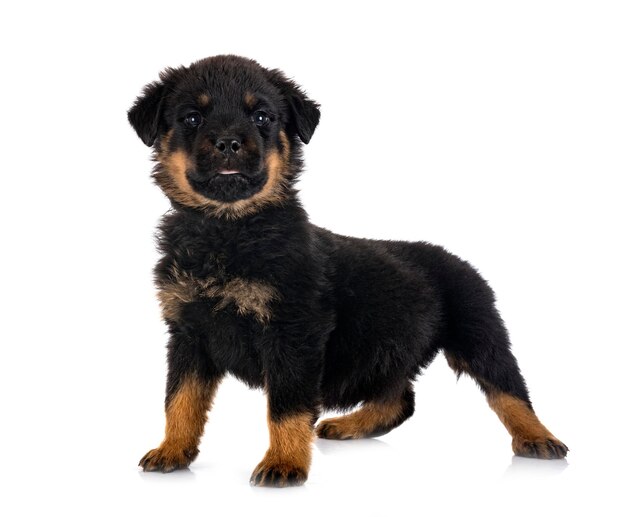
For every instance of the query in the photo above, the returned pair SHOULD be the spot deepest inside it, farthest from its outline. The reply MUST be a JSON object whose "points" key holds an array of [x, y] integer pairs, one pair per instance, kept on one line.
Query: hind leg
{"points": [[504, 386], [373, 418]]}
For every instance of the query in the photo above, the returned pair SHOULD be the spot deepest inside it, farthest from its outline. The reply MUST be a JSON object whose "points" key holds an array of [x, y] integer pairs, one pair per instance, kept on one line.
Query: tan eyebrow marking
{"points": [[250, 100], [203, 99]]}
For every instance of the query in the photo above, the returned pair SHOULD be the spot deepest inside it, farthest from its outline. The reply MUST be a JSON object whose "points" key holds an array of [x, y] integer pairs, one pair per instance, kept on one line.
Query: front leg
{"points": [[292, 390], [190, 391], [288, 458]]}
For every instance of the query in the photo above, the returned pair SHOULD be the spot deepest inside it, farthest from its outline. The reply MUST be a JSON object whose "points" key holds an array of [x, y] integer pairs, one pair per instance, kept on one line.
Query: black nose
{"points": [[228, 145]]}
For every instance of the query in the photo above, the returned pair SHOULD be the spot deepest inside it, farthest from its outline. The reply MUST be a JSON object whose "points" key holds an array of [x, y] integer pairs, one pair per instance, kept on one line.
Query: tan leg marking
{"points": [[186, 415], [287, 461], [369, 419], [530, 436]]}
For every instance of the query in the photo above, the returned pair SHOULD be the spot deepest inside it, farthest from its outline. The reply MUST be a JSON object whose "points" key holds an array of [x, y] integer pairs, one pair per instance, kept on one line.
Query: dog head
{"points": [[226, 134]]}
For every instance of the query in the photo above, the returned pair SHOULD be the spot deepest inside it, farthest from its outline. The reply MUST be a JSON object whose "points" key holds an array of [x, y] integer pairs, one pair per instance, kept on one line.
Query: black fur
{"points": [[355, 320]]}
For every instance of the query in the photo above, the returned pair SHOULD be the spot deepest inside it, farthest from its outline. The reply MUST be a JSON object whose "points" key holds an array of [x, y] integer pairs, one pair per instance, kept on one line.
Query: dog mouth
{"points": [[203, 175], [226, 184], [204, 179]]}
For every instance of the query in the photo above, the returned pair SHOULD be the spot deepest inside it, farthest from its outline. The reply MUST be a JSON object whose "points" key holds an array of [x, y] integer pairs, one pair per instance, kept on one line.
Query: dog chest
{"points": [[247, 296]]}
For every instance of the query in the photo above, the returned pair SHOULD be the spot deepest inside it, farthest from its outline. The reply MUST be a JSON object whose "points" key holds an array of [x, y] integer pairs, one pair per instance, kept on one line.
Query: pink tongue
{"points": [[229, 172]]}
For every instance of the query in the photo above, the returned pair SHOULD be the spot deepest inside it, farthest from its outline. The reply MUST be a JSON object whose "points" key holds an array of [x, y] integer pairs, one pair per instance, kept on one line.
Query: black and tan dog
{"points": [[249, 286]]}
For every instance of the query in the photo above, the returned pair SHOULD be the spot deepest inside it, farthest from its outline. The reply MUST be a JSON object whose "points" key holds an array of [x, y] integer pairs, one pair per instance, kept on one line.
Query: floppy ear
{"points": [[145, 115], [304, 114]]}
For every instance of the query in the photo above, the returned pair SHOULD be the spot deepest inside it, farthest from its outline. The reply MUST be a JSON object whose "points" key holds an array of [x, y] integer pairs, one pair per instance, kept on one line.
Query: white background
{"points": [[494, 128]]}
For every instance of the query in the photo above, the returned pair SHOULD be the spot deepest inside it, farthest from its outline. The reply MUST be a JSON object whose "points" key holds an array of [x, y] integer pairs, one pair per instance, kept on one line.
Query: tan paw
{"points": [[548, 448], [278, 475], [167, 459], [339, 428]]}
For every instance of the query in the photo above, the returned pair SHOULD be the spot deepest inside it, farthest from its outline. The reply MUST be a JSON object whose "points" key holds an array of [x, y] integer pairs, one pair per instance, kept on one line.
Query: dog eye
{"points": [[193, 119], [260, 118]]}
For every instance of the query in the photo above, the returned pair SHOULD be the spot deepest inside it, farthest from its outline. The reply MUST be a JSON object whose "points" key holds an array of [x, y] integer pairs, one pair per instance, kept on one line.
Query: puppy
{"points": [[248, 286]]}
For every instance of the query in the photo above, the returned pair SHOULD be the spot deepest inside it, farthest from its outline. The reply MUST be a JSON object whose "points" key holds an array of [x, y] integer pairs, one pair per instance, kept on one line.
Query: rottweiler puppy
{"points": [[248, 286]]}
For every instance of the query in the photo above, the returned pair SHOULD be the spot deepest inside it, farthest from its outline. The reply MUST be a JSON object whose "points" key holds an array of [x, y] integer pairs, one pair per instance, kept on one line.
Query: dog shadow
{"points": [[530, 467], [178, 476], [328, 447]]}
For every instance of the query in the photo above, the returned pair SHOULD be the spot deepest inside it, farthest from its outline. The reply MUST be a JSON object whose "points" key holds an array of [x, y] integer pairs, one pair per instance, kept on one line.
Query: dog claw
{"points": [[282, 475], [548, 449]]}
